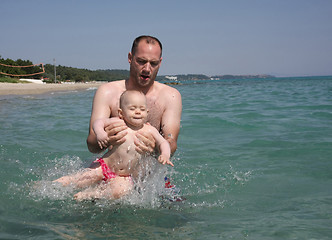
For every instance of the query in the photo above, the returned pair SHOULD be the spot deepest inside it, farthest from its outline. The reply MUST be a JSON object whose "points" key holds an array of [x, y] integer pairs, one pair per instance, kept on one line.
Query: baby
{"points": [[120, 165]]}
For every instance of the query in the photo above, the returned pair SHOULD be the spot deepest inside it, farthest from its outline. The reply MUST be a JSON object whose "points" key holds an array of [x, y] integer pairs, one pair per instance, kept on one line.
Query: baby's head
{"points": [[133, 109]]}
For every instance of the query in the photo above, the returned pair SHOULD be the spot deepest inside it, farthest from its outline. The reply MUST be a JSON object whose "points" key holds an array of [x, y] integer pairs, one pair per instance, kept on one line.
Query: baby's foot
{"points": [[80, 196]]}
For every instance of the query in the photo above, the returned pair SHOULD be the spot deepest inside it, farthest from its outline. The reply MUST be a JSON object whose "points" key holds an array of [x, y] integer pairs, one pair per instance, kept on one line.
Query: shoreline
{"points": [[34, 89]]}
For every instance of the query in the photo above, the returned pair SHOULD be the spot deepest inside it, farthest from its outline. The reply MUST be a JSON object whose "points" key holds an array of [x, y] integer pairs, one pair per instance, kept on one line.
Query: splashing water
{"points": [[146, 193]]}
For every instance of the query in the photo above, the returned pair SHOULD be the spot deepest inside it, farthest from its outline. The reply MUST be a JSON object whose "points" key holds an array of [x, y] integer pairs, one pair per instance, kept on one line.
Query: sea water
{"points": [[253, 162]]}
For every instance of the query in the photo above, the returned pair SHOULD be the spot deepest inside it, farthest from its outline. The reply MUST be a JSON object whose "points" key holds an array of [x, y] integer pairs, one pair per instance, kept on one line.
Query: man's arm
{"points": [[101, 108], [170, 122]]}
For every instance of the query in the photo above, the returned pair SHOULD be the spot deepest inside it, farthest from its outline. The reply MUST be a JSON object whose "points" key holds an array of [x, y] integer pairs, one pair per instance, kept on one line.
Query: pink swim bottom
{"points": [[108, 174]]}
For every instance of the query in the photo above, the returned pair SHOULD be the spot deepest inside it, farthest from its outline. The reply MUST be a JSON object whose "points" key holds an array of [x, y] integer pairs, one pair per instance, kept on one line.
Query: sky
{"points": [[211, 37]]}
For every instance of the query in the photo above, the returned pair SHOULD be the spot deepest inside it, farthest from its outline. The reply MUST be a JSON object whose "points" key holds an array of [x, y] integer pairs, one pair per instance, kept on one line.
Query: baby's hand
{"points": [[165, 159], [103, 143], [103, 140]]}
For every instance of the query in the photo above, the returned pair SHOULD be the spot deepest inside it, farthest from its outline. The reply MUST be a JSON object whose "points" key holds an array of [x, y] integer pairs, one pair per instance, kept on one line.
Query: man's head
{"points": [[144, 59], [133, 109], [147, 39]]}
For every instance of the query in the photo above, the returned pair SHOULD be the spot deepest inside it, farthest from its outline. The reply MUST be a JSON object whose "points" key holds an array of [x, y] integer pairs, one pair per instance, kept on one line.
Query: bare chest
{"points": [[155, 114]]}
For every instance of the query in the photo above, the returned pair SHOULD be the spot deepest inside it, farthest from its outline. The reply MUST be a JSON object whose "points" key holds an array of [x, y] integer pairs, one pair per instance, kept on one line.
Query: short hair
{"points": [[149, 40], [125, 93]]}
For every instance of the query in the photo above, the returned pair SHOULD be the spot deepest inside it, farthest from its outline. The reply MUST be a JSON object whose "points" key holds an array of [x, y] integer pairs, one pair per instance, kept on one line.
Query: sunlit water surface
{"points": [[253, 162]]}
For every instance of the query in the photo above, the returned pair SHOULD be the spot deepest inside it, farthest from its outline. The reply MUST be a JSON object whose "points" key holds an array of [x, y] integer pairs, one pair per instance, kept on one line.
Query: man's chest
{"points": [[155, 114]]}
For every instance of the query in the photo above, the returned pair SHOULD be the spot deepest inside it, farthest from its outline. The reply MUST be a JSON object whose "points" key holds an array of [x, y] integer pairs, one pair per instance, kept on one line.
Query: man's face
{"points": [[144, 65]]}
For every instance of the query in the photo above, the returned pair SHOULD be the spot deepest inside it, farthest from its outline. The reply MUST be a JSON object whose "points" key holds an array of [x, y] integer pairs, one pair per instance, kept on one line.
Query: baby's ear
{"points": [[120, 113]]}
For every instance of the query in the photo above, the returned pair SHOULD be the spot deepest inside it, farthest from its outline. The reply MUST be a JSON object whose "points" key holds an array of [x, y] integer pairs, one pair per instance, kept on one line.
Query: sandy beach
{"points": [[33, 88]]}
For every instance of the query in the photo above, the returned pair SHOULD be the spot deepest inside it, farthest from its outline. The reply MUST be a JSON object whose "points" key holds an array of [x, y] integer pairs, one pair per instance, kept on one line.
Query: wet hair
{"points": [[149, 40], [125, 93]]}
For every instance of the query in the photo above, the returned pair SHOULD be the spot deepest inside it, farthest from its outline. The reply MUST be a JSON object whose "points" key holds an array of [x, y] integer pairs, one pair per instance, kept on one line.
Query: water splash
{"points": [[44, 187], [147, 191], [200, 185]]}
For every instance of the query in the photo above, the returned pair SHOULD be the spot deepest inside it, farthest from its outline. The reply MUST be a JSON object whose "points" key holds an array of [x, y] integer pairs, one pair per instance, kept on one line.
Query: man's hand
{"points": [[116, 132], [145, 142]]}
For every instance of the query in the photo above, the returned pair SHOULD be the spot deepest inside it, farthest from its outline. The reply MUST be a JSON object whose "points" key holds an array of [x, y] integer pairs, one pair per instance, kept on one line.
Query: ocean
{"points": [[254, 161]]}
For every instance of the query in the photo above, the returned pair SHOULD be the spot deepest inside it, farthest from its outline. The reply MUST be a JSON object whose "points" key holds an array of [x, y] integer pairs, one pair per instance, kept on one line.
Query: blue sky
{"points": [[279, 37]]}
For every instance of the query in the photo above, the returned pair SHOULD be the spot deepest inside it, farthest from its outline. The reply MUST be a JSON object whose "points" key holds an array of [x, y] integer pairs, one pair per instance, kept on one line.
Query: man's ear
{"points": [[120, 113], [130, 57]]}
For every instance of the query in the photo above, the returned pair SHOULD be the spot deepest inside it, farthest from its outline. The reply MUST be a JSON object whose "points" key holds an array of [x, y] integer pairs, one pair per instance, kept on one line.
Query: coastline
{"points": [[33, 88]]}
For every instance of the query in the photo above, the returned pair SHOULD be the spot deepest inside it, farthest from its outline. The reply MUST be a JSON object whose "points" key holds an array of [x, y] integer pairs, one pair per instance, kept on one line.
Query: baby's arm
{"points": [[164, 147], [99, 129]]}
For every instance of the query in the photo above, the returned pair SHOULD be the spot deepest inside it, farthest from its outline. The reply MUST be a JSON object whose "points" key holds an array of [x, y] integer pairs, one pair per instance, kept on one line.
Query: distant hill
{"points": [[194, 77], [216, 77], [64, 73]]}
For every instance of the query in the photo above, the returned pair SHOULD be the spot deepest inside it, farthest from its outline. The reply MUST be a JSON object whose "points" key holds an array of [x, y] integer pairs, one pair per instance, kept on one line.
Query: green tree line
{"points": [[63, 73], [17, 70]]}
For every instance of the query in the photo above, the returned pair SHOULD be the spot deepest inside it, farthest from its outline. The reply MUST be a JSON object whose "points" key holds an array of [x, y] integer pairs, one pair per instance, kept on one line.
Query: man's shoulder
{"points": [[118, 83], [165, 89], [111, 87]]}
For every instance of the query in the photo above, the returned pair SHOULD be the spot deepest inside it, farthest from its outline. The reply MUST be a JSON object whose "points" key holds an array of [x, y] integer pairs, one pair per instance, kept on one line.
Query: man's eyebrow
{"points": [[144, 59]]}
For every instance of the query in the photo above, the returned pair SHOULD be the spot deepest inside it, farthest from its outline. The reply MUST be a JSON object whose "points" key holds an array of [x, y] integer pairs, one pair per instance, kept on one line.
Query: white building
{"points": [[173, 78]]}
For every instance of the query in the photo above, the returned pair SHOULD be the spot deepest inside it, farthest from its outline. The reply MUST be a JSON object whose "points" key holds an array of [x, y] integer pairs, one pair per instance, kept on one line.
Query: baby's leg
{"points": [[82, 179], [113, 189], [121, 186], [100, 191]]}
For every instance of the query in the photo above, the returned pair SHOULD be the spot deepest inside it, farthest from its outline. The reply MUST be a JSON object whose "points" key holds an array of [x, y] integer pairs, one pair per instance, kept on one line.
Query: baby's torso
{"points": [[124, 159]]}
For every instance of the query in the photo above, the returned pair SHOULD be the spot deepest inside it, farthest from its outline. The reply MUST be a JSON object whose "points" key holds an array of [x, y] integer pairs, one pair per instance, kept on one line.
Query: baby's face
{"points": [[135, 111]]}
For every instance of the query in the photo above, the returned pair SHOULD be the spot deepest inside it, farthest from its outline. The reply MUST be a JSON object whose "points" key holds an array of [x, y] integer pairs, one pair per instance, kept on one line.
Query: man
{"points": [[164, 102]]}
